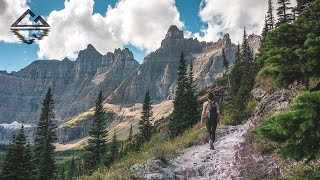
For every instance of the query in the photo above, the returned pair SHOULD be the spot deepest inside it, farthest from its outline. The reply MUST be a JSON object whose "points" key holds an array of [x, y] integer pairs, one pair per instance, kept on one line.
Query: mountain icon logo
{"points": [[29, 33], [42, 24]]}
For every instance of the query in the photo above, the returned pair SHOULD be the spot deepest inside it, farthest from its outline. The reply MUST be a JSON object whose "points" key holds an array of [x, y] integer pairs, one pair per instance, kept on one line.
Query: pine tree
{"points": [[192, 99], [283, 12], [72, 169], [62, 175], [185, 112], [291, 52], [302, 4], [225, 61], [96, 146], [265, 31], [179, 116], [130, 134], [238, 55], [18, 163], [297, 129], [247, 80], [44, 139], [145, 126], [129, 144], [236, 73], [8, 167], [270, 18], [114, 148], [24, 165]]}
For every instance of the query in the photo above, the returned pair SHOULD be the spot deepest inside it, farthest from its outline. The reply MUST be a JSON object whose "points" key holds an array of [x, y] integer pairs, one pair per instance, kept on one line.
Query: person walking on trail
{"points": [[211, 115]]}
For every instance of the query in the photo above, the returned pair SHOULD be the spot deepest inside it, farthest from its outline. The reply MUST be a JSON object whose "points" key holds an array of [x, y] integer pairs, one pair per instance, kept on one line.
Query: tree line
{"points": [[290, 55], [36, 161]]}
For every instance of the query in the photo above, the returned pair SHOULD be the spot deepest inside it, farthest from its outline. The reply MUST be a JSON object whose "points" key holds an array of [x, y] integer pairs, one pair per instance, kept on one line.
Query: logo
{"points": [[29, 33]]}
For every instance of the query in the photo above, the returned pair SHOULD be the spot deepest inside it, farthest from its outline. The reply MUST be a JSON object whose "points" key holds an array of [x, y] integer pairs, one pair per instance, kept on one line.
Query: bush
{"points": [[308, 172], [232, 116], [298, 129]]}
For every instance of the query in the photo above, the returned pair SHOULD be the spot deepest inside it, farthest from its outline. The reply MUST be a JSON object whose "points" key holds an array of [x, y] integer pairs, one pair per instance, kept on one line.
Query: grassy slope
{"points": [[157, 147]]}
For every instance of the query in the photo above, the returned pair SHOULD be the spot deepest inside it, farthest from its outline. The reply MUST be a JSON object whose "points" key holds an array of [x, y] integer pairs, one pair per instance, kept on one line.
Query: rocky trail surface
{"points": [[200, 162]]}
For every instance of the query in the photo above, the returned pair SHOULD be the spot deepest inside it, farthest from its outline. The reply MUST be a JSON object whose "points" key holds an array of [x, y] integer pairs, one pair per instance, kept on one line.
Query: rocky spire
{"points": [[174, 33]]}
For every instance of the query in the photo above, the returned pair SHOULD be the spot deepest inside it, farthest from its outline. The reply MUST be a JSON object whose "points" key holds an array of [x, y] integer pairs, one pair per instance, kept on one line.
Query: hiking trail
{"points": [[200, 162]]}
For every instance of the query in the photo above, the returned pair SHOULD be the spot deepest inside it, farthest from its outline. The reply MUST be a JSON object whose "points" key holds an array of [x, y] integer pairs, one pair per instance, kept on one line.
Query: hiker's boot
{"points": [[211, 144]]}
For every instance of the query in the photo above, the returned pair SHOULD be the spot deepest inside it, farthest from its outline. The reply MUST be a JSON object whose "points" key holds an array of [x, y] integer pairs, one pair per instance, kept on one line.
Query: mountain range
{"points": [[75, 84]]}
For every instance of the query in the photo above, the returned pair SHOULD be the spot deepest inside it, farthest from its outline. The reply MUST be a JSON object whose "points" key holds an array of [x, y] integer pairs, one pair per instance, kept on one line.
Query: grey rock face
{"points": [[254, 42], [174, 33], [75, 84], [158, 73], [275, 102]]}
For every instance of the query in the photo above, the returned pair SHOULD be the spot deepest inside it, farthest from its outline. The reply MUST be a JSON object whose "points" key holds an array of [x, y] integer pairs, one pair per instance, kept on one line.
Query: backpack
{"points": [[211, 110]]}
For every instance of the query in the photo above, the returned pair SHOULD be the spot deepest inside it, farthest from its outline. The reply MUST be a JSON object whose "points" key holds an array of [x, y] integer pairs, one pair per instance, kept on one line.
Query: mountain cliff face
{"points": [[75, 84], [158, 73]]}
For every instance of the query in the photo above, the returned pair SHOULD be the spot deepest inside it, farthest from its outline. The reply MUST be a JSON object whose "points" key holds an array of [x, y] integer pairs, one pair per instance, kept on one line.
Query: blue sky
{"points": [[15, 56]]}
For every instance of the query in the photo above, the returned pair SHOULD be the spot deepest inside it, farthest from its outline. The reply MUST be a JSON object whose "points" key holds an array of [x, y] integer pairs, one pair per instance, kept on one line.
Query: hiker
{"points": [[211, 115]]}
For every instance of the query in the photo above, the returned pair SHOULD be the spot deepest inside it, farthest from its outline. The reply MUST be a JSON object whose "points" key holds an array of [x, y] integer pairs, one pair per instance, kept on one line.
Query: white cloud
{"points": [[230, 16], [10, 11], [138, 22]]}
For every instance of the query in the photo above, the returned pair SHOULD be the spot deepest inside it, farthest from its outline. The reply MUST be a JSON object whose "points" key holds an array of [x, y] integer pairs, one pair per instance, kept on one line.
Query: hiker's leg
{"points": [[214, 128], [209, 130]]}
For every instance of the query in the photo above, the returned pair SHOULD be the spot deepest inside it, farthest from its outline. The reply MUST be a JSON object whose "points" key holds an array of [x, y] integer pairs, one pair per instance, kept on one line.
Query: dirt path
{"points": [[199, 162]]}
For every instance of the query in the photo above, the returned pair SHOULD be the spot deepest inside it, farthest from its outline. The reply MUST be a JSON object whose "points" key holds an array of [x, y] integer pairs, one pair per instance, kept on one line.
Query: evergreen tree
{"points": [[270, 18], [238, 55], [8, 167], [284, 12], [72, 169], [62, 175], [145, 126], [225, 61], [291, 52], [302, 4], [185, 112], [96, 146], [297, 129], [18, 163], [264, 31], [114, 148], [130, 134], [129, 145], [192, 99], [44, 139], [179, 116], [236, 73], [248, 74]]}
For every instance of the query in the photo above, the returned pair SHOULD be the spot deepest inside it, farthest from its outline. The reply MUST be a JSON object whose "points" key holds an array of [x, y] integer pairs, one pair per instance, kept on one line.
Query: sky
{"points": [[139, 25]]}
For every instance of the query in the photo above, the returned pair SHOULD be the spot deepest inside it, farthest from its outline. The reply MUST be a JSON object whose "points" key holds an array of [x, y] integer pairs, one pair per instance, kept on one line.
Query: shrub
{"points": [[298, 129]]}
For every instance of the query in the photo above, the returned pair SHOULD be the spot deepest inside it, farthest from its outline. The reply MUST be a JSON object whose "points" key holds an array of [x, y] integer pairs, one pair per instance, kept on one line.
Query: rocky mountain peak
{"points": [[225, 41], [254, 42], [90, 47], [174, 33], [89, 53]]}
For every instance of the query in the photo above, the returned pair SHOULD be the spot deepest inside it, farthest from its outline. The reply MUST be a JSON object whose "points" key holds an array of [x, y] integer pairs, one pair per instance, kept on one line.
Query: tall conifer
{"points": [[284, 12], [96, 147], [270, 17], [145, 126], [44, 139]]}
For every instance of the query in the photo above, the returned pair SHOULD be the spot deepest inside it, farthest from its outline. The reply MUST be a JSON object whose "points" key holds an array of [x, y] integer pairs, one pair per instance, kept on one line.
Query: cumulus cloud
{"points": [[138, 22], [10, 11], [230, 16]]}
